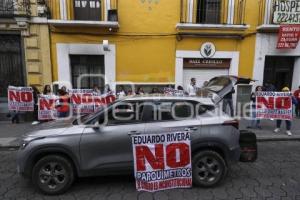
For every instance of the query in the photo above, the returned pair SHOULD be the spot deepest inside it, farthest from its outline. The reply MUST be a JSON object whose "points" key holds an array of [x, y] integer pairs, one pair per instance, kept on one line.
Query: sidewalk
{"points": [[268, 126], [10, 133]]}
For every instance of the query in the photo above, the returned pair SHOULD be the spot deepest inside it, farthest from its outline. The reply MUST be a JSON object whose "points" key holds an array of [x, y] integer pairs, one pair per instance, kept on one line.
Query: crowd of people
{"points": [[256, 123], [62, 104]]}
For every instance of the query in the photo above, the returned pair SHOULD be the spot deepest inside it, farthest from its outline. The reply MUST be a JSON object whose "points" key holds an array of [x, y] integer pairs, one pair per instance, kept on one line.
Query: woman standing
{"points": [[63, 104], [140, 91], [47, 90], [255, 123], [287, 122]]}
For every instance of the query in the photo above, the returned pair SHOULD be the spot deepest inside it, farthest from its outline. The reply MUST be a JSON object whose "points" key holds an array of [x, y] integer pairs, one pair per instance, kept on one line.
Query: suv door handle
{"points": [[130, 133], [191, 129]]}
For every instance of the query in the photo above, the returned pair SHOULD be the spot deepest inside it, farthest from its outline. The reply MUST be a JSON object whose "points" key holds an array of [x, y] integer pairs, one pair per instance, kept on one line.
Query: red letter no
{"points": [[143, 153], [184, 155]]}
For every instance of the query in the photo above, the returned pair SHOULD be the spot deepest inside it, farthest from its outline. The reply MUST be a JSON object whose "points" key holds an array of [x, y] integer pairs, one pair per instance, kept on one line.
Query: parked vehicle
{"points": [[100, 143]]}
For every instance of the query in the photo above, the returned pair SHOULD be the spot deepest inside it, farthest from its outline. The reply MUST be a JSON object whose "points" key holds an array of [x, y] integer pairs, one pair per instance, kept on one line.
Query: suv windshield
{"points": [[84, 118]]}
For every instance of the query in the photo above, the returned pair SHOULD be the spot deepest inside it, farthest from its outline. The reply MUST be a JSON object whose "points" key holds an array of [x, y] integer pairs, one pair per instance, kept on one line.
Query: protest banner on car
{"points": [[274, 105], [162, 161], [46, 107], [20, 98], [82, 100]]}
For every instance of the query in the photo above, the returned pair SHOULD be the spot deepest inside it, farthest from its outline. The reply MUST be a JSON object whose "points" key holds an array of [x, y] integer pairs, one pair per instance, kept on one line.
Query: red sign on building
{"points": [[288, 36]]}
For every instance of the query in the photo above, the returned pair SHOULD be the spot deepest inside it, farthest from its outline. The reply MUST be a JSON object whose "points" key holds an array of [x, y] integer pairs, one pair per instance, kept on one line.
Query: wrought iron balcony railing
{"points": [[14, 8], [83, 10], [230, 12]]}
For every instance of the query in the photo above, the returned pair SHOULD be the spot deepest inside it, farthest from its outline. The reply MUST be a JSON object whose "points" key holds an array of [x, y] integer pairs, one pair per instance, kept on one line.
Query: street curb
{"points": [[278, 139]]}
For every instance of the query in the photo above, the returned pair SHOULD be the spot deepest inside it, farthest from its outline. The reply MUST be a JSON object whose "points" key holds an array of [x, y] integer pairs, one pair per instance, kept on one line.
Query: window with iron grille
{"points": [[87, 65], [6, 8], [11, 63], [209, 11], [87, 10]]}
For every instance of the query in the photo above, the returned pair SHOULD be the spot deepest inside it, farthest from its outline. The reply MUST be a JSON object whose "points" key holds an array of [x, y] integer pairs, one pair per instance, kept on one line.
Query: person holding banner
{"points": [[47, 90], [255, 123], [288, 122], [63, 104], [140, 91], [107, 89], [96, 90]]}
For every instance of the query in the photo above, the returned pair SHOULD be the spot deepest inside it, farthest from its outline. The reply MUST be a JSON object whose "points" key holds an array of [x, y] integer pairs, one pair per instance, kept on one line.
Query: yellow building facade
{"points": [[154, 42]]}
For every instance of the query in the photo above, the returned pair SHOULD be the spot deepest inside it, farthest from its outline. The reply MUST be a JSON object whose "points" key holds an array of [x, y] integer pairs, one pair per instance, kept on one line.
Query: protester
{"points": [[191, 89], [121, 93], [288, 122], [107, 89], [155, 91], [96, 90], [15, 117], [269, 87], [63, 104], [255, 123], [64, 88], [228, 101], [297, 107], [130, 93], [140, 91], [180, 88], [47, 90], [36, 94]]}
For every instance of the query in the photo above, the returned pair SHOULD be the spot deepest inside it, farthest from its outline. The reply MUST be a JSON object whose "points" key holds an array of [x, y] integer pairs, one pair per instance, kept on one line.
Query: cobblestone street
{"points": [[276, 175]]}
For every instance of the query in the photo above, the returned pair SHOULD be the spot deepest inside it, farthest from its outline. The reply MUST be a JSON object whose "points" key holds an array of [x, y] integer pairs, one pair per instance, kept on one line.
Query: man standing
{"points": [[191, 89], [297, 107], [227, 100]]}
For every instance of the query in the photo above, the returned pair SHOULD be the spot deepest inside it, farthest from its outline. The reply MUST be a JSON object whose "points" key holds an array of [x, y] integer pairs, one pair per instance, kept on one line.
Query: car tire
{"points": [[53, 174], [209, 168]]}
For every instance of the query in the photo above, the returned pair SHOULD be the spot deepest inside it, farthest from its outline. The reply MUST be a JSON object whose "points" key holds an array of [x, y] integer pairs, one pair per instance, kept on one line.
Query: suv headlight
{"points": [[24, 142]]}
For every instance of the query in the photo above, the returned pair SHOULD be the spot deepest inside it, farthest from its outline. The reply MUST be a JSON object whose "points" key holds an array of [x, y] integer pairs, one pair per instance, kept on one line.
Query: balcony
{"points": [[83, 13], [14, 8], [212, 15]]}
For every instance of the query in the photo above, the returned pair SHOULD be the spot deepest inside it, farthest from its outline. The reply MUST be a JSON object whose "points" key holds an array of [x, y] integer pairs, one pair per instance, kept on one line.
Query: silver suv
{"points": [[57, 152]]}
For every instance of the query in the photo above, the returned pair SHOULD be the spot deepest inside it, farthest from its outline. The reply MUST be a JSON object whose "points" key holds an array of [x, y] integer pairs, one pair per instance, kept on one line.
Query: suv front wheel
{"points": [[53, 174], [209, 168]]}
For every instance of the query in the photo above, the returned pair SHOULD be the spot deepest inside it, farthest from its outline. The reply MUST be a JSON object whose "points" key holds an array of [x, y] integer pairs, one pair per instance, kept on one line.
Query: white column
{"points": [[63, 9], [63, 65], [190, 11], [106, 8], [179, 72], [296, 74], [268, 10], [230, 17]]}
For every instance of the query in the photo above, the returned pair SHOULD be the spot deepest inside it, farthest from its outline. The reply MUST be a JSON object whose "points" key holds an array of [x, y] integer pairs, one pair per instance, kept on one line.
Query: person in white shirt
{"points": [[191, 89], [121, 93]]}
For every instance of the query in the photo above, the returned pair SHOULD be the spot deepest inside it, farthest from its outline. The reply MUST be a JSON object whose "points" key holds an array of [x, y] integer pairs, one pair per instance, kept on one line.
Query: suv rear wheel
{"points": [[53, 174], [209, 168]]}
